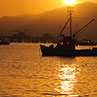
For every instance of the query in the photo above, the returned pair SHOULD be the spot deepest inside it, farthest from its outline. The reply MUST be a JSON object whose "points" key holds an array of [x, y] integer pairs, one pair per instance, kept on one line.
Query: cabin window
{"points": [[68, 43], [61, 43]]}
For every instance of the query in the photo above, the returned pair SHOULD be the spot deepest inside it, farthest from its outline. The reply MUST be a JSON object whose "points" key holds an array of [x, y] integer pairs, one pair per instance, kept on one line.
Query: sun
{"points": [[69, 2]]}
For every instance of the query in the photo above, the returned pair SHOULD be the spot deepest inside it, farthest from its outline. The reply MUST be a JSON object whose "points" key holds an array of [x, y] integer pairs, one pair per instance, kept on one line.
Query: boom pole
{"points": [[63, 29], [83, 28]]}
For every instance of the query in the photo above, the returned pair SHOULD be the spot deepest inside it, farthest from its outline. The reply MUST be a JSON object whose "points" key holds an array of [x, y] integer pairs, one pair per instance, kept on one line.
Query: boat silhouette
{"points": [[3, 42], [66, 44]]}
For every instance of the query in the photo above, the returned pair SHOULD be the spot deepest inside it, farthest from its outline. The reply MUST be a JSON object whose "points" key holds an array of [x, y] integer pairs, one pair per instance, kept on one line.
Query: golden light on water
{"points": [[68, 79], [69, 2]]}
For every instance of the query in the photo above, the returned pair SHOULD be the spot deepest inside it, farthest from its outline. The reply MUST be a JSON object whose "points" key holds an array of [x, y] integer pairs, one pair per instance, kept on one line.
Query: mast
{"points": [[70, 10], [70, 21]]}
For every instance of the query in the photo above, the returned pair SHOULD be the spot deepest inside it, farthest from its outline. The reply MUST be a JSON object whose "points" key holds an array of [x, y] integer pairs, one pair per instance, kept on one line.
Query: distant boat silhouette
{"points": [[66, 45], [3, 42], [86, 43]]}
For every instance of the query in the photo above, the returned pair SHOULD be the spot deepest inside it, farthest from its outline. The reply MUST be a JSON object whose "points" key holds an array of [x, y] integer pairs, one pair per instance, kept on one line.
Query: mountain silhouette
{"points": [[52, 22]]}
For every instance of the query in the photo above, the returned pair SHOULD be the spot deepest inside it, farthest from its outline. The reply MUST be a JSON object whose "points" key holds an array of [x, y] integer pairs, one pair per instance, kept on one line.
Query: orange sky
{"points": [[15, 7]]}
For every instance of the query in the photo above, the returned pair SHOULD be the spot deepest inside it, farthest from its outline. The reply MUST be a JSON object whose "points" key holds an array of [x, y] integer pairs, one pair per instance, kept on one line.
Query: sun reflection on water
{"points": [[67, 75]]}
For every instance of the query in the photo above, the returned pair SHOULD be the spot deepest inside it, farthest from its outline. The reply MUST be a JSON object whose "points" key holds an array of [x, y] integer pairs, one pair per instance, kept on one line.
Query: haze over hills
{"points": [[52, 22]]}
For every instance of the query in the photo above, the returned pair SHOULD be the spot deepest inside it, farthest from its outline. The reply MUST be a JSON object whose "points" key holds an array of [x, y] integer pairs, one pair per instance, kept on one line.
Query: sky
{"points": [[17, 7]]}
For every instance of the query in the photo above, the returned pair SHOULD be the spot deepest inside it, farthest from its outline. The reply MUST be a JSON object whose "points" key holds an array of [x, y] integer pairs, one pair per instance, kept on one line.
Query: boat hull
{"points": [[4, 43], [49, 51]]}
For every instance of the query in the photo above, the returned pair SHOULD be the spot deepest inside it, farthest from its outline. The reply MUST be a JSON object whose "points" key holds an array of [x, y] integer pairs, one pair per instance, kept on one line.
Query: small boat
{"points": [[63, 48], [86, 43], [2, 42], [66, 44]]}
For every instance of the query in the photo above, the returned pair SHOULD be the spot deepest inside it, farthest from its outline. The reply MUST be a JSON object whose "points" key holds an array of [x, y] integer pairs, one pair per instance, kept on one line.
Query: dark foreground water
{"points": [[24, 73]]}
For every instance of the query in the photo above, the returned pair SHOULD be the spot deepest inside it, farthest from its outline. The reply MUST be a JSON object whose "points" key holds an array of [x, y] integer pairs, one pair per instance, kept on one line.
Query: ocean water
{"points": [[25, 73]]}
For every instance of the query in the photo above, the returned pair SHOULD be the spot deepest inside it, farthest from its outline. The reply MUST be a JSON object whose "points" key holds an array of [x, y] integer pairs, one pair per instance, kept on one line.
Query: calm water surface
{"points": [[24, 73]]}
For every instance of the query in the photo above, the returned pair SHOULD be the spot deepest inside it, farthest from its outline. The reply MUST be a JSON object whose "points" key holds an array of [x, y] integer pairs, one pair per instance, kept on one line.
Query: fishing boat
{"points": [[66, 45]]}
